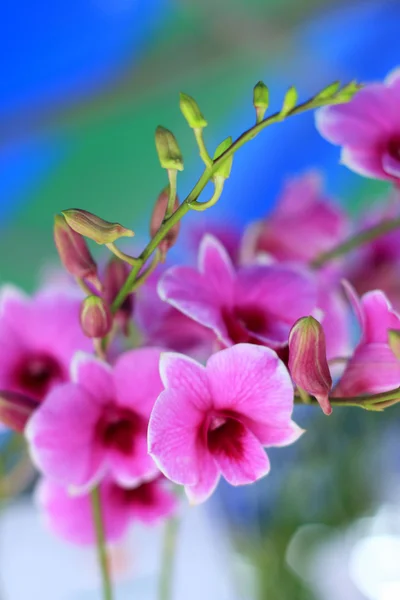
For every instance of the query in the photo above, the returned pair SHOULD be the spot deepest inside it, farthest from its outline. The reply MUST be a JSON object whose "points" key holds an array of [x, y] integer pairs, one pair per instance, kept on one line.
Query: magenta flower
{"points": [[257, 304], [70, 516], [304, 224], [214, 420], [38, 338], [373, 368], [368, 128], [98, 423]]}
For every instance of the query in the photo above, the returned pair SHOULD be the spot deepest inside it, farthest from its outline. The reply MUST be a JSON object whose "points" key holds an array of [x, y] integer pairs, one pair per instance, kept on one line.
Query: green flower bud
{"points": [[260, 100], [224, 170], [168, 150], [289, 101], [95, 228], [191, 111]]}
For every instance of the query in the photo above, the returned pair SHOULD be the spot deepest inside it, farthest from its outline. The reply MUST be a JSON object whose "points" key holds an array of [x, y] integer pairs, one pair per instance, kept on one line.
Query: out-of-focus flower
{"points": [[15, 410], [214, 420], [308, 365], [163, 325], [38, 338], [70, 515], [373, 368], [304, 224], [98, 423], [368, 128], [376, 265], [257, 304]]}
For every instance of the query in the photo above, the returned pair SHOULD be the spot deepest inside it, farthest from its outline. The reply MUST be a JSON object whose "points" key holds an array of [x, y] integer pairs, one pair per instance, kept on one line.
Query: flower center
{"points": [[242, 321], [118, 429], [393, 147], [37, 373], [224, 437]]}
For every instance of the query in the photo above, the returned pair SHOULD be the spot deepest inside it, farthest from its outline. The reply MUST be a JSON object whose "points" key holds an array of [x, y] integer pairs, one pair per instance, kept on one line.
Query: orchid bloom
{"points": [[215, 420], [256, 304], [97, 424], [70, 515], [373, 368], [368, 129], [38, 338]]}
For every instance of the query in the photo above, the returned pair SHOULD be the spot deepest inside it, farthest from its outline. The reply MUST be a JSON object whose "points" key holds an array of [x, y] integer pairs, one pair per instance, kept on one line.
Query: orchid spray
{"points": [[226, 347]]}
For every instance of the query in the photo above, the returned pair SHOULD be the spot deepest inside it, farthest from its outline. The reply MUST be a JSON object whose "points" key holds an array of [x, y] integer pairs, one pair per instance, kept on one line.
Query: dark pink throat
{"points": [[36, 374], [118, 428], [224, 437]]}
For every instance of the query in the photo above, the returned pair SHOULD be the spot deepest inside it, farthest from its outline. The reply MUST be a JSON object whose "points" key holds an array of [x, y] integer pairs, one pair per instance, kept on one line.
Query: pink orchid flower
{"points": [[214, 420], [257, 304], [70, 515], [305, 223], [97, 424], [368, 129], [38, 338], [373, 368]]}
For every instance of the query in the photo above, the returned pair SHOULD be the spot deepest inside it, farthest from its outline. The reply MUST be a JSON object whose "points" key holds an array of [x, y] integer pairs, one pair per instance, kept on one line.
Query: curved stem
{"points": [[172, 176], [218, 188], [101, 543], [207, 175], [205, 157], [368, 235], [117, 252], [168, 555]]}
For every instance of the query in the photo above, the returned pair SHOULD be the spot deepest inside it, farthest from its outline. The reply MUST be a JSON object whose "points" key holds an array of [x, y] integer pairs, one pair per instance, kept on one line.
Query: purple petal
{"points": [[95, 376], [209, 477], [372, 369], [61, 436], [251, 382], [178, 372], [137, 379], [364, 161], [216, 266], [379, 316], [133, 468], [173, 436], [391, 165]]}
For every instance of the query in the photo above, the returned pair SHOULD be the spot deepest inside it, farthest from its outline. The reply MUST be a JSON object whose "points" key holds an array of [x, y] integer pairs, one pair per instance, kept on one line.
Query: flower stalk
{"points": [[101, 544]]}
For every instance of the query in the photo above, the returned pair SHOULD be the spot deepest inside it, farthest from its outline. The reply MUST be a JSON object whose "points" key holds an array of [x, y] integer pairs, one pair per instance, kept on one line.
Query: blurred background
{"points": [[83, 86]]}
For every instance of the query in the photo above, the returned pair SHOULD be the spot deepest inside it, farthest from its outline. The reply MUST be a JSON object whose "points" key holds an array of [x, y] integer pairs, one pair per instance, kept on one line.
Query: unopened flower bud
{"points": [[289, 101], [308, 364], [394, 342], [157, 218], [96, 317], [73, 251], [16, 409], [95, 228], [168, 150], [115, 275], [191, 111], [224, 169], [260, 99]]}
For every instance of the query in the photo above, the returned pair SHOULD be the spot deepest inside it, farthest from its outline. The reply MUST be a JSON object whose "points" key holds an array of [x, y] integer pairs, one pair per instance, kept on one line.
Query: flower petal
{"points": [[254, 384], [93, 375], [216, 266], [243, 461], [61, 436], [173, 436], [364, 161], [182, 373], [379, 316], [372, 369], [137, 379], [209, 477]]}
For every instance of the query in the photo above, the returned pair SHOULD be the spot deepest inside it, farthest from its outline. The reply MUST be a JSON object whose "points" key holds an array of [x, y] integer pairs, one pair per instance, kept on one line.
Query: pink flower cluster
{"points": [[225, 347]]}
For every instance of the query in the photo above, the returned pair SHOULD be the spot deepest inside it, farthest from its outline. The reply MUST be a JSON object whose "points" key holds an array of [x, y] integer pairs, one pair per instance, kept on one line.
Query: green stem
{"points": [[368, 235], [172, 176], [207, 175], [101, 543], [218, 188], [117, 252], [369, 402], [205, 157], [167, 560]]}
